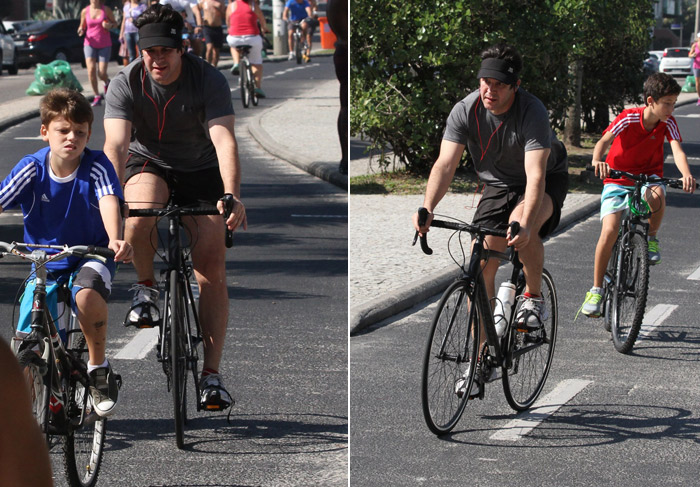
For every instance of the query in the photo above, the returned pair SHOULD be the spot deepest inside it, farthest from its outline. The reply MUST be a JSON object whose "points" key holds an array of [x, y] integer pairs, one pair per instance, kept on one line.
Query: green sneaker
{"points": [[654, 252], [592, 305]]}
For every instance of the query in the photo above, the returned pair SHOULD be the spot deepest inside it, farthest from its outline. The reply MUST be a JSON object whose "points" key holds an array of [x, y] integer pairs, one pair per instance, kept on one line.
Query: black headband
{"points": [[159, 34], [499, 69]]}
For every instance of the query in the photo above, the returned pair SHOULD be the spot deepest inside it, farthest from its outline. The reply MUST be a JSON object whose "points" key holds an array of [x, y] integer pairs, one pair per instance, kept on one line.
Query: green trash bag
{"points": [[56, 74], [689, 86]]}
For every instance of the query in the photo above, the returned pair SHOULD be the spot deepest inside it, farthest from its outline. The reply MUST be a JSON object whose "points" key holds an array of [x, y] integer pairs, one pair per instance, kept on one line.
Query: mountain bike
{"points": [[299, 43], [55, 365], [454, 360], [180, 334], [246, 79], [626, 280]]}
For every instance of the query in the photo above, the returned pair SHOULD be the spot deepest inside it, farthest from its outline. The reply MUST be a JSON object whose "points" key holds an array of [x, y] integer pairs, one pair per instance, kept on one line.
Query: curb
{"points": [[17, 119], [318, 169], [365, 315]]}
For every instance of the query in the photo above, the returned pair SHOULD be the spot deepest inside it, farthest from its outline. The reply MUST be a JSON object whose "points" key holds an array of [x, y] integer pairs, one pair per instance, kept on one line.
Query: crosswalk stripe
{"points": [[541, 410], [654, 318], [140, 345]]}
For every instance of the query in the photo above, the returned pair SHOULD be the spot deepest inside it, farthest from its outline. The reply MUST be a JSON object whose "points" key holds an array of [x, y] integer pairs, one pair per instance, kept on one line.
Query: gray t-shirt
{"points": [[169, 123], [497, 143]]}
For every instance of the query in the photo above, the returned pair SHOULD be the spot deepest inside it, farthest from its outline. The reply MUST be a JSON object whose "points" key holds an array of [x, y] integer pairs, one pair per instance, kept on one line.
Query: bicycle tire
{"points": [[530, 354], [251, 85], [32, 365], [178, 357], [630, 292], [245, 94], [609, 287], [83, 447], [297, 48], [453, 344]]}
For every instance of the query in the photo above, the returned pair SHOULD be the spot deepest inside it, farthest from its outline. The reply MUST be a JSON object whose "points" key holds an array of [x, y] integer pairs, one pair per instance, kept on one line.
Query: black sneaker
{"points": [[104, 389], [213, 394]]}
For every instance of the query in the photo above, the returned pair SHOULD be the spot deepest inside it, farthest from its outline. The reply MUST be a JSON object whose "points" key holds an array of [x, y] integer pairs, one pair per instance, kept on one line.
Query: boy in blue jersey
{"points": [[70, 195]]}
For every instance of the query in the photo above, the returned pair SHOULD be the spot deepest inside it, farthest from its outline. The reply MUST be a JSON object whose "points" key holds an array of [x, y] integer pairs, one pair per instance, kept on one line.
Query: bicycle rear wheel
{"points": [[178, 356], [451, 349], [251, 86], [530, 354], [83, 446], [297, 48], [32, 365], [245, 89], [630, 292]]}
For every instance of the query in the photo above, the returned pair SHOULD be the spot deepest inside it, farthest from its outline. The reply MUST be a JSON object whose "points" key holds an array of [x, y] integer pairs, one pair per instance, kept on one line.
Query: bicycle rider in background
{"points": [[517, 156], [70, 195], [636, 140], [298, 11], [179, 110]]}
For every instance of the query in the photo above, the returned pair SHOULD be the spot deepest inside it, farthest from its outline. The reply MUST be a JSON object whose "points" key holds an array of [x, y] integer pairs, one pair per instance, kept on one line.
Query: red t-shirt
{"points": [[635, 149]]}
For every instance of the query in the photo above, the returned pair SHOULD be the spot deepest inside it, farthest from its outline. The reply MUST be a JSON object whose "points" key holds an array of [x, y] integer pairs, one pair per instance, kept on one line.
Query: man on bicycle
{"points": [[298, 11], [524, 167], [178, 109]]}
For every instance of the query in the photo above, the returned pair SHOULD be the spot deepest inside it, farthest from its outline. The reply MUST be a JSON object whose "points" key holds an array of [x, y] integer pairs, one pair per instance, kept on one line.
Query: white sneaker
{"points": [[213, 394], [290, 57], [531, 314], [144, 311], [461, 385], [104, 390]]}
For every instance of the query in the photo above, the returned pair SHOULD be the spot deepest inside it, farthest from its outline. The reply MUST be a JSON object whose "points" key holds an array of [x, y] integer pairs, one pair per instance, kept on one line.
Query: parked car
{"points": [[43, 42], [675, 61], [8, 53], [14, 26]]}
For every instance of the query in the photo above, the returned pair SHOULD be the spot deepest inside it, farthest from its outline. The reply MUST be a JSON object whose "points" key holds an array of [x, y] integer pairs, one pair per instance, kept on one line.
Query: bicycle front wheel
{"points": [[178, 356], [83, 446], [32, 365], [530, 354], [451, 351], [609, 287], [630, 292], [245, 88]]}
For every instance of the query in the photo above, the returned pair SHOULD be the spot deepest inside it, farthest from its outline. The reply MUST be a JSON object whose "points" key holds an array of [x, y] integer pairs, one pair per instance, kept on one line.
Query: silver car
{"points": [[676, 62], [8, 53]]}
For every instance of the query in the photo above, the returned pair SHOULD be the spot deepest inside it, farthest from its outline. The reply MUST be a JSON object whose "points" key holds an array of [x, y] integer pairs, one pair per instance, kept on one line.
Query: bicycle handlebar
{"points": [[84, 251], [644, 178], [459, 226], [187, 211]]}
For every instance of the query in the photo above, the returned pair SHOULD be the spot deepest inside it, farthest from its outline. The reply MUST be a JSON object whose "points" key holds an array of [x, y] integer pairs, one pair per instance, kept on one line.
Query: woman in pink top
{"points": [[695, 54], [243, 30], [95, 20]]}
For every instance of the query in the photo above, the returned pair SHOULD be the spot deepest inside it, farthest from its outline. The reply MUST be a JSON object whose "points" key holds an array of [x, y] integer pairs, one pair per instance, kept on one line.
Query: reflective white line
{"points": [[542, 409], [38, 137], [140, 345], [654, 318], [319, 216], [695, 276]]}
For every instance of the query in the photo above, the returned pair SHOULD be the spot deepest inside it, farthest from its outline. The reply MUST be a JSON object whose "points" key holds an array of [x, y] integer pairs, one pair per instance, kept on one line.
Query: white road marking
{"points": [[37, 137], [689, 115], [654, 318], [541, 410], [319, 216], [140, 345], [695, 276]]}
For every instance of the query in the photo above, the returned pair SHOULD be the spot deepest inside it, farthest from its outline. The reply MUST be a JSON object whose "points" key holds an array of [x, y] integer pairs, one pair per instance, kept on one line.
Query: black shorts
{"points": [[190, 188], [497, 204], [214, 35]]}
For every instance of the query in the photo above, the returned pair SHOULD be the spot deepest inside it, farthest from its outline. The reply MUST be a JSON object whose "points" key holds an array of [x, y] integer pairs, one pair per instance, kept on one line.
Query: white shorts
{"points": [[254, 41]]}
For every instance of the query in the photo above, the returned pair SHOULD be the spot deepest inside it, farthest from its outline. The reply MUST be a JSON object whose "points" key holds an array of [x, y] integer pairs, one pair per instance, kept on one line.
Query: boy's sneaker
{"points": [[531, 314], [592, 305], [144, 311], [291, 56], [235, 70], [104, 389], [213, 394], [654, 252], [96, 101], [260, 92]]}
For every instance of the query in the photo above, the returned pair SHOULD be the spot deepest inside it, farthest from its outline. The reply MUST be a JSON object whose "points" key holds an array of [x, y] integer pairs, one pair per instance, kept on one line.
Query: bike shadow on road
{"points": [[593, 425], [252, 434]]}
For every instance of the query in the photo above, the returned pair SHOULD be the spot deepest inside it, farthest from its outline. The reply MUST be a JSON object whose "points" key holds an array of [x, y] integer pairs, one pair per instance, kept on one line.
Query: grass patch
{"points": [[465, 181]]}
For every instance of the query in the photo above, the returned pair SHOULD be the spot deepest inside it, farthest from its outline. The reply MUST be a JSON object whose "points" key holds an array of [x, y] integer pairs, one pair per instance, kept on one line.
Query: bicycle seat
{"points": [[244, 47]]}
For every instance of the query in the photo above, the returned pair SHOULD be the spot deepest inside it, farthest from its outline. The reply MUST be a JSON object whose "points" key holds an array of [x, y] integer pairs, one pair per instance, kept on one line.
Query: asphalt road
{"points": [[616, 419], [285, 359]]}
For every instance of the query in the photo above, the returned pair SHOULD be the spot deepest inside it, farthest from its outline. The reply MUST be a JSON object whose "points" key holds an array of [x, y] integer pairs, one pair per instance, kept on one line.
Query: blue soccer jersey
{"points": [[60, 211]]}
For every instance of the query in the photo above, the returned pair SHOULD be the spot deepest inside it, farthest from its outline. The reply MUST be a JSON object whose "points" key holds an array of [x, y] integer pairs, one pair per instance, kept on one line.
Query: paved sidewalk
{"points": [[388, 275], [276, 129]]}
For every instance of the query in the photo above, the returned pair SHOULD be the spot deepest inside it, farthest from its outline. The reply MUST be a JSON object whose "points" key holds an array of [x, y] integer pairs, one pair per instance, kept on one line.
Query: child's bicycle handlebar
{"points": [[644, 178]]}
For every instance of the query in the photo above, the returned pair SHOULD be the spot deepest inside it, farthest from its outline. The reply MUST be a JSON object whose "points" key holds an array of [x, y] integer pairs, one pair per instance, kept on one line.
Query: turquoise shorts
{"points": [[615, 197]]}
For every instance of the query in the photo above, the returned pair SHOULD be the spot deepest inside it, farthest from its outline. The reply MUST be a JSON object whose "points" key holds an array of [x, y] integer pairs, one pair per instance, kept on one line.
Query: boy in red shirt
{"points": [[637, 139]]}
